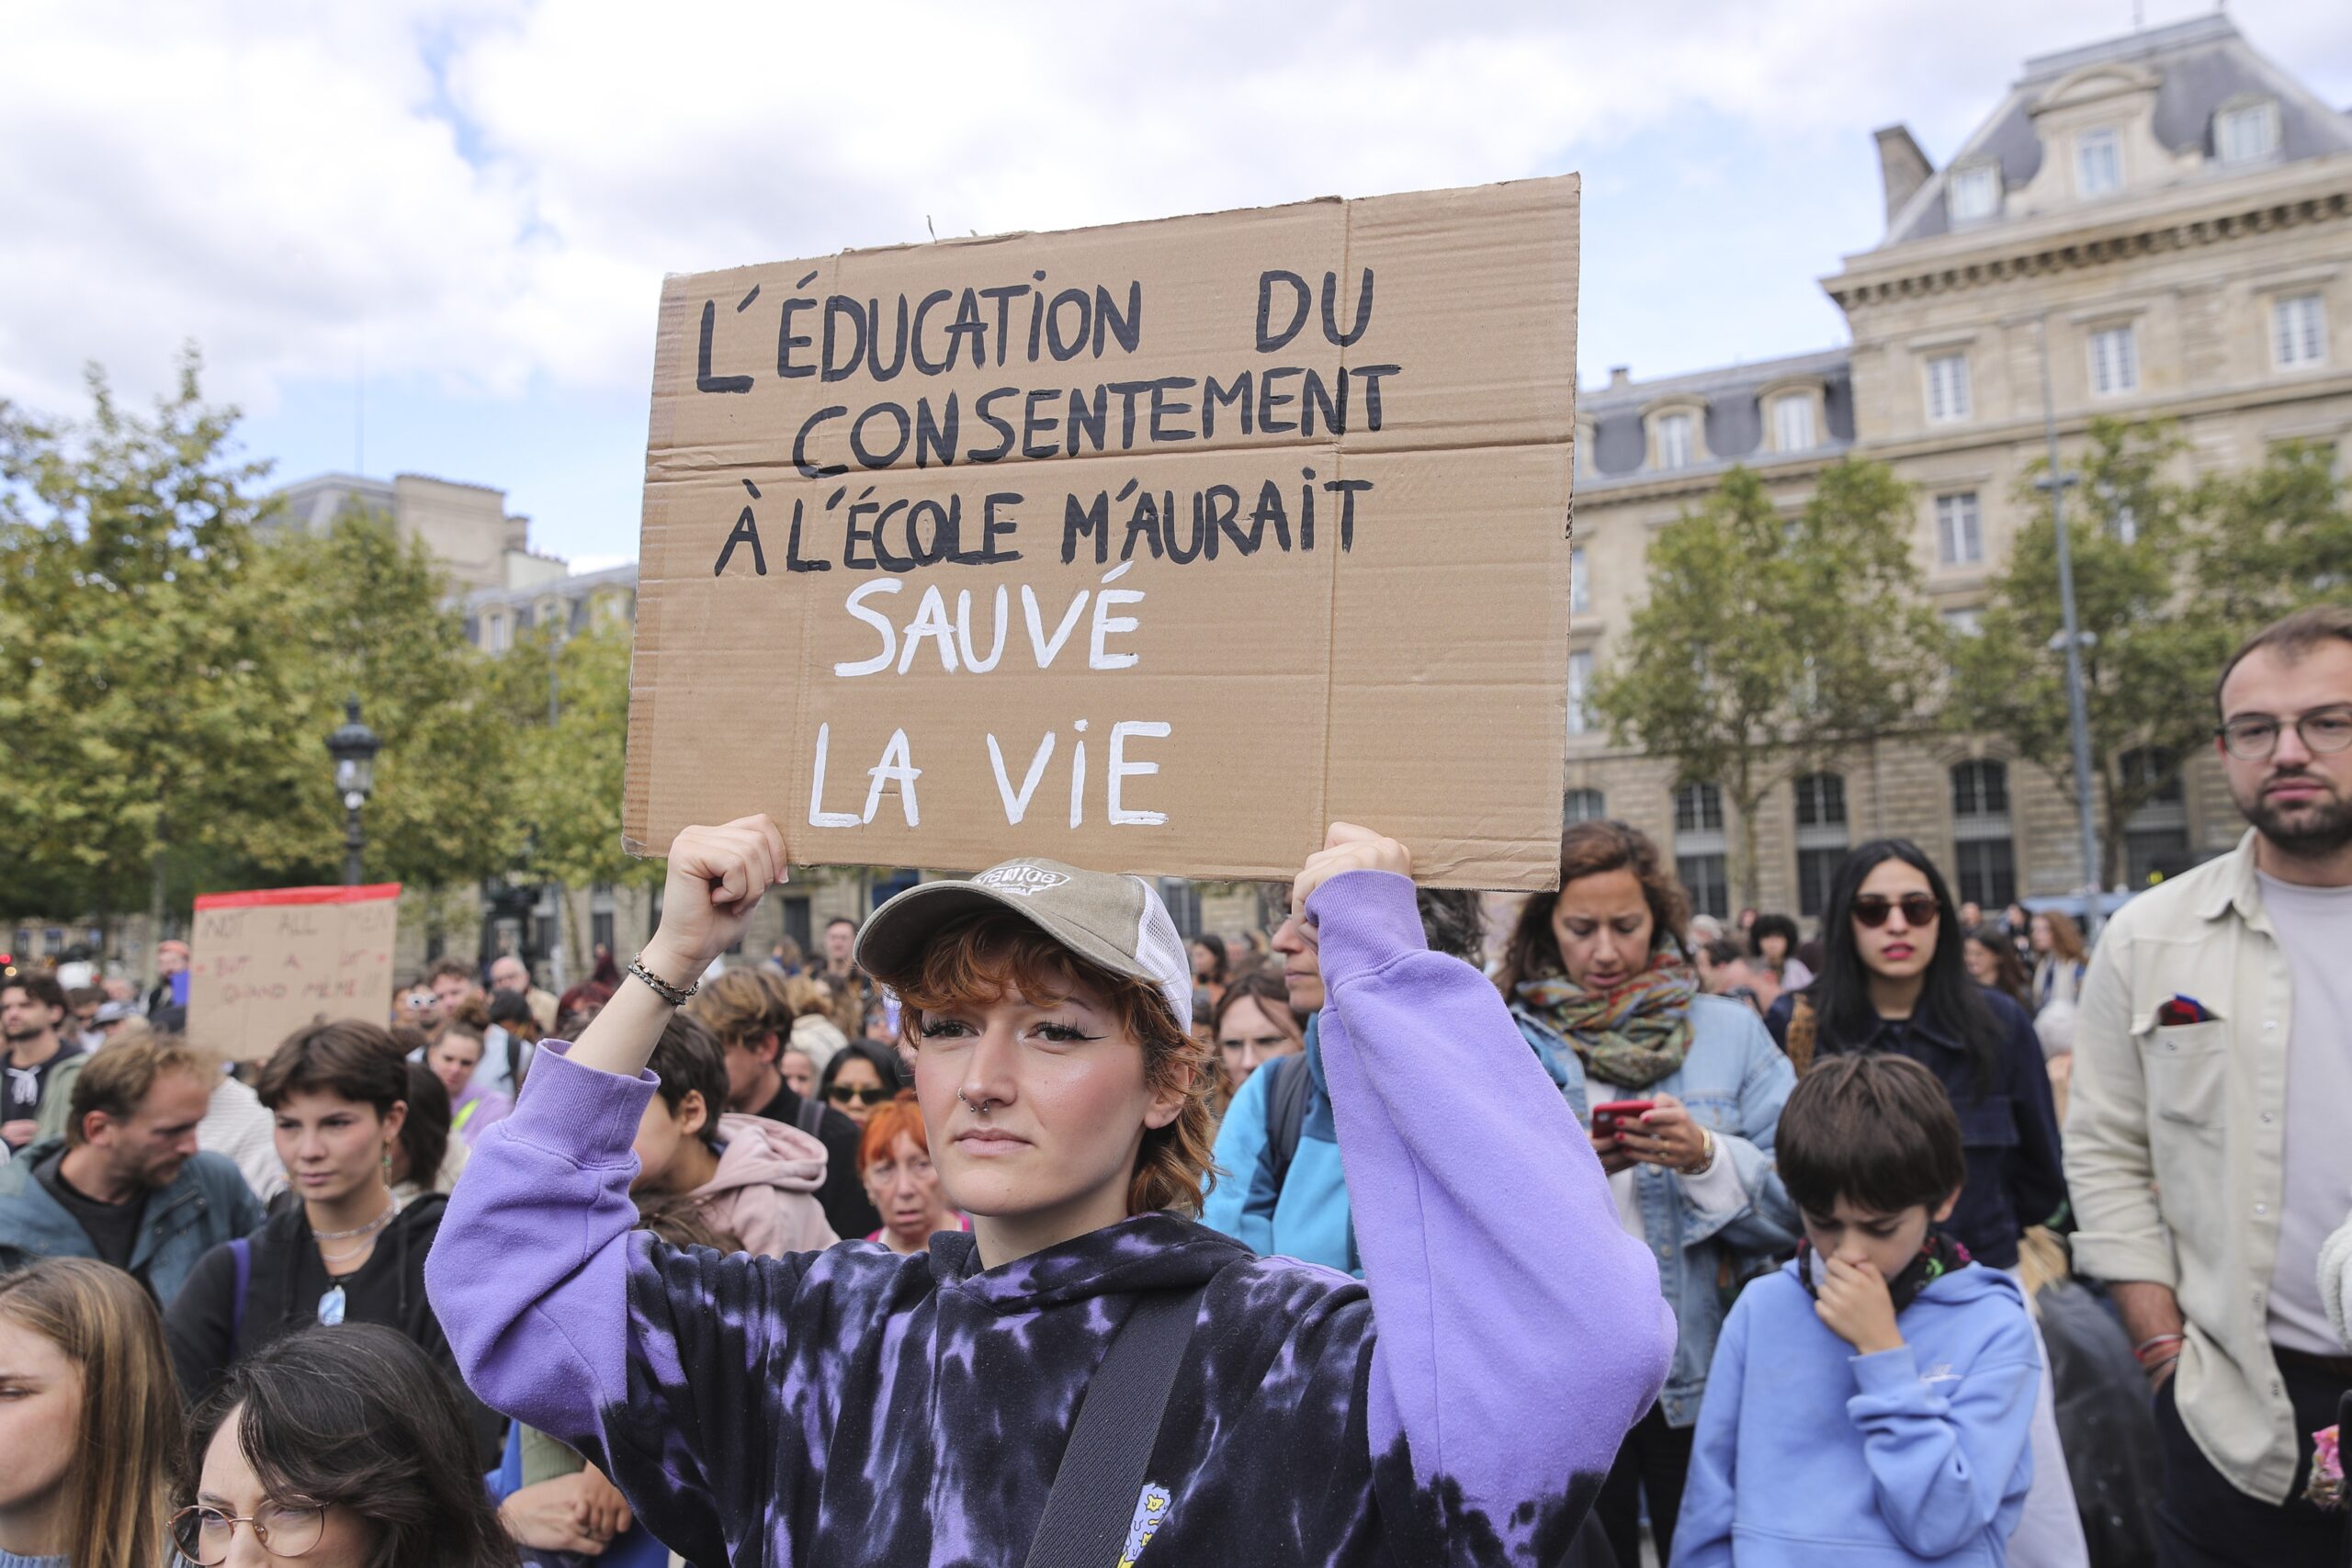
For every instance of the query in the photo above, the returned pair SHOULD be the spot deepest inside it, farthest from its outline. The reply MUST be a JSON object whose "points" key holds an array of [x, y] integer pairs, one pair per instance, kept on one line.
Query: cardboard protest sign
{"points": [[262, 964], [1153, 548]]}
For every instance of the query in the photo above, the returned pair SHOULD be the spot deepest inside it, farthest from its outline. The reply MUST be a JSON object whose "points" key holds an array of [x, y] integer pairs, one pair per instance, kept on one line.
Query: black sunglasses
{"points": [[1918, 908], [841, 1094]]}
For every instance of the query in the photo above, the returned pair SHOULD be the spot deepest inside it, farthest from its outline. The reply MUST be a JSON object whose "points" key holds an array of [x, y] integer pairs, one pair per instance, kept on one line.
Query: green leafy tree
{"points": [[1769, 642], [566, 698], [358, 614], [139, 689], [2168, 577]]}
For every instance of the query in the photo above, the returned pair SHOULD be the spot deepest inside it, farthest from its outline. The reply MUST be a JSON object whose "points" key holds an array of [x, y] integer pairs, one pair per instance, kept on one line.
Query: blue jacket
{"points": [[2009, 1131], [207, 1204], [1733, 1080], [1307, 1218], [1808, 1455]]}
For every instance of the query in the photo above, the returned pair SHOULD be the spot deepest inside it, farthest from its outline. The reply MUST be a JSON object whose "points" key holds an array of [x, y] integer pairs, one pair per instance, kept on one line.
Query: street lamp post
{"points": [[2074, 637], [354, 747]]}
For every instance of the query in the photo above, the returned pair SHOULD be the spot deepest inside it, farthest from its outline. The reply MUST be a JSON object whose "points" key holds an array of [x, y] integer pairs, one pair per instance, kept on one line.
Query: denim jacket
{"points": [[206, 1204], [1733, 1082]]}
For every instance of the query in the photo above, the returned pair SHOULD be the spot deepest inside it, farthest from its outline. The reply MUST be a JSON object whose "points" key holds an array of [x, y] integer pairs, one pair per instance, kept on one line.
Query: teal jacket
{"points": [[207, 1204]]}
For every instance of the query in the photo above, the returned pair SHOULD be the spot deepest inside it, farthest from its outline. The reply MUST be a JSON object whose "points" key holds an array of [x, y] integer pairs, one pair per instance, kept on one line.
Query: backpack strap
{"points": [[810, 1116], [1285, 1111], [241, 1259], [1098, 1500]]}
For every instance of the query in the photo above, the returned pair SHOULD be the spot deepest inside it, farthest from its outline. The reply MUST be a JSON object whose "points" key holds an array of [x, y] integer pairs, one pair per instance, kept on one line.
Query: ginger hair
{"points": [[978, 960]]}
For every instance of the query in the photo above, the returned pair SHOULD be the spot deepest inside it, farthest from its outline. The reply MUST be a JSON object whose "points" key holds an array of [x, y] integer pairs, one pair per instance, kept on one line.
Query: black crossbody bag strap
{"points": [[1103, 1471]]}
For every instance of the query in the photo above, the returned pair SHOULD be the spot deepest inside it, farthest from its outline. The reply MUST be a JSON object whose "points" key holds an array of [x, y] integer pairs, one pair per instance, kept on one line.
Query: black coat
{"points": [[2008, 1128], [209, 1331]]}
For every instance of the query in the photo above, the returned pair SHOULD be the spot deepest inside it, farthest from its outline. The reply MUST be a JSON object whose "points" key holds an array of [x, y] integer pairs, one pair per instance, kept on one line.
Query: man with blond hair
{"points": [[126, 1184], [750, 1012]]}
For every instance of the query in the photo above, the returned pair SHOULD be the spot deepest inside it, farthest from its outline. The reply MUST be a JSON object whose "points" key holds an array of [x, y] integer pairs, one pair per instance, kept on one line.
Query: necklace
{"points": [[370, 1229]]}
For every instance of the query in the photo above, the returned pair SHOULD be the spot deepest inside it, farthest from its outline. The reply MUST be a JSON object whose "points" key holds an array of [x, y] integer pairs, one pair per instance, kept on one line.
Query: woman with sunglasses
{"points": [[1458, 1404], [338, 1447], [1894, 979], [90, 1428], [860, 1077]]}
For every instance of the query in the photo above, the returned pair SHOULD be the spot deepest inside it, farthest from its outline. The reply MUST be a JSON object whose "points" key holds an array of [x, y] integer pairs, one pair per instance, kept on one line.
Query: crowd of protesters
{"points": [[1616, 1234]]}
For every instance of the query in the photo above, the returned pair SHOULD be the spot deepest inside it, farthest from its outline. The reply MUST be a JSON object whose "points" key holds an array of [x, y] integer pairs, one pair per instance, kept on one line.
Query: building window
{"points": [[1959, 530], [1975, 192], [600, 915], [1821, 838], [2115, 361], [1674, 441], [1579, 582], [2246, 132], [2156, 837], [1700, 848], [1965, 622], [2098, 162], [1983, 852], [1579, 682], [500, 635], [2297, 331], [1947, 387], [1792, 422], [1585, 805]]}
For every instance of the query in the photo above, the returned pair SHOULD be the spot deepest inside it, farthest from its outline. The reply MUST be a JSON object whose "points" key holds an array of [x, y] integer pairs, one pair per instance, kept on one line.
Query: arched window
{"points": [[1984, 850], [2156, 837], [1821, 838], [1587, 805], [1700, 848]]}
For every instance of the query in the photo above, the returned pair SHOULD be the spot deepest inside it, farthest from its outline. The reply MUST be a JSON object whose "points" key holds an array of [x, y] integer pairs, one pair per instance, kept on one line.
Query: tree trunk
{"points": [[1747, 800]]}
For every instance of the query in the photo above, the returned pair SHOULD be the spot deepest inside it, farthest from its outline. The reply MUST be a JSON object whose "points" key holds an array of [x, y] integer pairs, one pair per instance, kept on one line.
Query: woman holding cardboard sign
{"points": [[1460, 1403]]}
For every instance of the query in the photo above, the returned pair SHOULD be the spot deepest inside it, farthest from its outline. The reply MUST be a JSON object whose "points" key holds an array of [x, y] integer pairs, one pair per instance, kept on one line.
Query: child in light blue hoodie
{"points": [[1872, 1401]]}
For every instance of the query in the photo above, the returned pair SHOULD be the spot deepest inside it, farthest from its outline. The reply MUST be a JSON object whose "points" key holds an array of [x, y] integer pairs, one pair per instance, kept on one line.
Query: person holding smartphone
{"points": [[1685, 1091]]}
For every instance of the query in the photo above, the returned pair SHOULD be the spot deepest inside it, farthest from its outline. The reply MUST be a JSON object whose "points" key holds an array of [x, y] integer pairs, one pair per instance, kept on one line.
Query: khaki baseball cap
{"points": [[1111, 921]]}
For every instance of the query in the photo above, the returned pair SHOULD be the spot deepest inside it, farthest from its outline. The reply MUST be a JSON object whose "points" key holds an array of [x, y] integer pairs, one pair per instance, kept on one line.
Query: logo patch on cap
{"points": [[1020, 880]]}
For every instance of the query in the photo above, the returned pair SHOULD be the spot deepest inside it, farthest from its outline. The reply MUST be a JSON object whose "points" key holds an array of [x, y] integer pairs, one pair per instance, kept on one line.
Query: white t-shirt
{"points": [[2314, 930]]}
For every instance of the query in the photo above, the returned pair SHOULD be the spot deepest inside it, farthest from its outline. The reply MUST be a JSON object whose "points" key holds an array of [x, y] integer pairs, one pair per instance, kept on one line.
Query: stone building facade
{"points": [[2171, 215]]}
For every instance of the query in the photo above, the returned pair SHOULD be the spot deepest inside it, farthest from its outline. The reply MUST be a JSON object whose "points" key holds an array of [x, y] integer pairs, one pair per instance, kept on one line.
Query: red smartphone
{"points": [[1606, 1117]]}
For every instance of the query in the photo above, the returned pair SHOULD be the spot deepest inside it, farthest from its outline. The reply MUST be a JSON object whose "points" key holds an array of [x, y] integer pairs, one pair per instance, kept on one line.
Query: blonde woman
{"points": [[90, 1427]]}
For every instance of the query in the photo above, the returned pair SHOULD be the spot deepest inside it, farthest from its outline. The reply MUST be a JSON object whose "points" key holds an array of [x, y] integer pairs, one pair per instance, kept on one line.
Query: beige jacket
{"points": [[2176, 1145]]}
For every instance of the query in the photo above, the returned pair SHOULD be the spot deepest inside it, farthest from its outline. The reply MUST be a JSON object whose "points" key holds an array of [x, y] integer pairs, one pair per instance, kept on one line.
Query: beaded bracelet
{"points": [[2157, 1342], [658, 985]]}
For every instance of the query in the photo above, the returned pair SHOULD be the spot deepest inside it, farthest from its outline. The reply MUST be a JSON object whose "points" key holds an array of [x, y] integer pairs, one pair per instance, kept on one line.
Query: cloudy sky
{"points": [[476, 199]]}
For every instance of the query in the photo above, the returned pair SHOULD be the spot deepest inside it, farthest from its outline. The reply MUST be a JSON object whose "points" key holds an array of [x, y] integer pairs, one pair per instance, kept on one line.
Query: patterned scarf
{"points": [[1939, 1254], [1632, 1036]]}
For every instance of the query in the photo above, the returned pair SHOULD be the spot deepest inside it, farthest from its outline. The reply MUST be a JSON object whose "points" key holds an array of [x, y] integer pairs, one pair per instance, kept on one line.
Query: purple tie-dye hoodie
{"points": [[1461, 1404]]}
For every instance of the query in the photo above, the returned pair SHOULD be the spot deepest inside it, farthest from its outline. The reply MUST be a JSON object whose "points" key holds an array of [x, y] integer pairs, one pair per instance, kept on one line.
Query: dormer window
{"points": [[2246, 132], [1674, 442], [1975, 191], [1792, 422], [2098, 162]]}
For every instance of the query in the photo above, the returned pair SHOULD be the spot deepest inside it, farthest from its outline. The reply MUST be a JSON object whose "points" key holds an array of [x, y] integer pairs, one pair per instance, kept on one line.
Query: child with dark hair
{"points": [[749, 1177], [1886, 1415]]}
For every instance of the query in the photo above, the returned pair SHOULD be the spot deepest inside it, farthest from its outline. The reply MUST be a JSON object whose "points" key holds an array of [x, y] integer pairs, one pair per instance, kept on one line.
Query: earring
{"points": [[388, 1168]]}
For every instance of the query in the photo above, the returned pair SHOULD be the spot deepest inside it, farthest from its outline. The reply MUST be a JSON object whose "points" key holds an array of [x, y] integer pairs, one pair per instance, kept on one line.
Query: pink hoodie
{"points": [[763, 1191]]}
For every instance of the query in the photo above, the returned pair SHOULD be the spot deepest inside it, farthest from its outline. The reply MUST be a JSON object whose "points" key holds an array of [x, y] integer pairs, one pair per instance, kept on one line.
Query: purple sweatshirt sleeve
{"points": [[1485, 1225], [529, 1274]]}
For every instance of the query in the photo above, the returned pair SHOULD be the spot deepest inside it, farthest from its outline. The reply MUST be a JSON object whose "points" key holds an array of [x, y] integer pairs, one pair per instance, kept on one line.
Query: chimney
{"points": [[1901, 166], [1619, 375]]}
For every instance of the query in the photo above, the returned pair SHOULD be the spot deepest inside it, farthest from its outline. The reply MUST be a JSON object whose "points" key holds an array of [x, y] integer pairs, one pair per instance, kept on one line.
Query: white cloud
{"points": [[487, 192]]}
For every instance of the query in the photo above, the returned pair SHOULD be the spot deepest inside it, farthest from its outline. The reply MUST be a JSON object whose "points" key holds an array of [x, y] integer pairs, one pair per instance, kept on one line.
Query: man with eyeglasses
{"points": [[2206, 1143]]}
